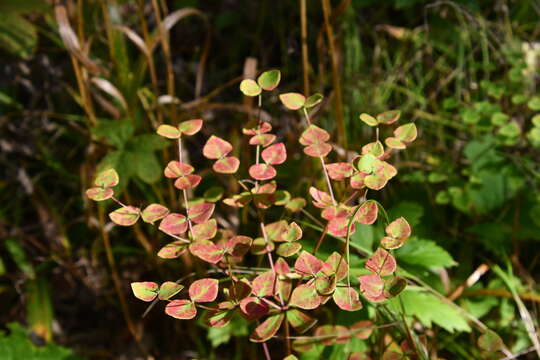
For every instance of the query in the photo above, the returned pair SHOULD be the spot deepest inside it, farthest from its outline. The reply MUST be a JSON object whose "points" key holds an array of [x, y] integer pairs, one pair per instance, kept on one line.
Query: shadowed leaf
{"points": [[362, 329], [253, 308], [330, 266], [394, 286], [264, 284], [238, 245], [289, 249], [313, 100], [339, 171], [219, 319], [490, 341], [299, 320], [324, 284]]}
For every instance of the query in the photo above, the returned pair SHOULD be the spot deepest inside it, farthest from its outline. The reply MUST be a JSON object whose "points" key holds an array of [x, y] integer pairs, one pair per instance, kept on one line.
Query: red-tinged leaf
{"points": [[262, 172], [339, 171], [314, 135], [326, 334], [375, 181], [293, 233], [238, 245], [333, 212], [216, 148], [366, 163], [399, 229], [317, 150], [239, 290], [372, 287], [268, 328], [320, 198], [357, 180], [227, 165], [391, 243], [168, 131], [282, 267], [367, 214], [381, 262], [249, 87], [153, 213], [174, 224], [168, 289], [339, 226], [274, 231], [394, 286], [264, 201], [388, 117], [218, 319], [204, 231], [181, 309], [262, 139], [207, 251], [289, 249], [292, 101], [260, 247], [176, 169], [343, 335], [253, 308], [261, 128], [300, 321], [200, 212], [295, 204], [368, 119], [325, 285], [145, 291], [275, 154], [190, 127], [204, 290], [269, 80], [308, 264], [374, 148], [99, 193], [107, 178], [172, 250], [362, 329], [305, 297], [406, 133], [335, 264], [187, 182], [125, 216], [346, 298], [268, 188], [394, 143], [264, 284], [303, 345], [238, 200]]}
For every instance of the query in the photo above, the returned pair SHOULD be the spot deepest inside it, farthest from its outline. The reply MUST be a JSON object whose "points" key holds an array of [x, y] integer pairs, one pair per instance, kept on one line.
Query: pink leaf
{"points": [[172, 250], [204, 290], [367, 214], [381, 262], [317, 150], [125, 216], [176, 169], [205, 230], [292, 101], [253, 308], [200, 212], [226, 165], [262, 172], [207, 251], [314, 135], [187, 182], [264, 284], [330, 266], [107, 178], [320, 198], [339, 171], [99, 193], [238, 245], [275, 154], [263, 128], [153, 213], [181, 309], [372, 287], [262, 139], [305, 297], [216, 148], [399, 229], [174, 224], [145, 291], [190, 127], [338, 226], [308, 264], [346, 298]]}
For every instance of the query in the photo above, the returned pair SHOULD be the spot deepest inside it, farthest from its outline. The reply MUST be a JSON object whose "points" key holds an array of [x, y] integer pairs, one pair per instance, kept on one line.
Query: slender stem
{"points": [[266, 351], [303, 37], [118, 201], [184, 191]]}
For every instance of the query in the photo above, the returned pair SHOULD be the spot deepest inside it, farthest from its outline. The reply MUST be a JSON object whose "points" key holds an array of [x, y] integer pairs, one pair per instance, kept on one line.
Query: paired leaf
{"points": [[153, 213], [204, 290], [145, 291], [226, 165], [292, 101], [367, 214], [313, 100], [176, 169], [262, 172], [299, 320], [268, 328], [99, 193], [216, 148], [207, 251], [168, 289], [308, 264], [172, 250], [346, 298], [275, 154], [250, 88], [107, 178], [381, 262], [181, 309], [305, 297], [269, 80], [125, 216], [190, 127], [201, 212], [174, 224]]}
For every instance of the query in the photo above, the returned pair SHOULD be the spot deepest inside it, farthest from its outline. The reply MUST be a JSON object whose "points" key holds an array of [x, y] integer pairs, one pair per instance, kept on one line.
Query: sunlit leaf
{"points": [[269, 80], [250, 88], [374, 148], [372, 287], [394, 143], [187, 182], [174, 224], [340, 170], [125, 216], [275, 154], [268, 328], [181, 309], [406, 133], [216, 148], [399, 229], [168, 289], [107, 178], [205, 230], [320, 198], [145, 291], [292, 101], [317, 150], [367, 214], [381, 262], [346, 298], [314, 135], [168, 131], [204, 290], [296, 204], [262, 139], [388, 117], [190, 127], [176, 169], [153, 213], [264, 284], [99, 193]]}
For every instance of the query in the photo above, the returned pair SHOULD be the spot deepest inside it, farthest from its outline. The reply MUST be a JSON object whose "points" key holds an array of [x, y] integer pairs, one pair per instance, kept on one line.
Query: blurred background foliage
{"points": [[84, 84]]}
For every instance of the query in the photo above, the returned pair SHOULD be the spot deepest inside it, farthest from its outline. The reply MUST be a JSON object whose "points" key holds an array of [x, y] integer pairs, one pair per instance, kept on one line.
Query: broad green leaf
{"points": [[424, 253], [269, 80]]}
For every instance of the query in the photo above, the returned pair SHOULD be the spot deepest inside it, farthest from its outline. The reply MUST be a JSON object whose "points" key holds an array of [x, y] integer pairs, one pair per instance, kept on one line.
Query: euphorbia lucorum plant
{"points": [[296, 281]]}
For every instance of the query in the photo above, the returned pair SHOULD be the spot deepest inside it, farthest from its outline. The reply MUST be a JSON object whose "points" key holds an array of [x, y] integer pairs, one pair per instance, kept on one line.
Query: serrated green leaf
{"points": [[424, 253]]}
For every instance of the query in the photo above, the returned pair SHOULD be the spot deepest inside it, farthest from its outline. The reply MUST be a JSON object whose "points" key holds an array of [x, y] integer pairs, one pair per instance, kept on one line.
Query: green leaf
{"points": [[146, 166], [39, 309], [18, 255], [424, 253], [107, 178], [313, 100], [268, 328], [145, 290], [168, 289], [292, 101], [430, 310], [534, 103], [17, 35], [250, 88], [115, 132], [269, 80], [368, 119]]}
